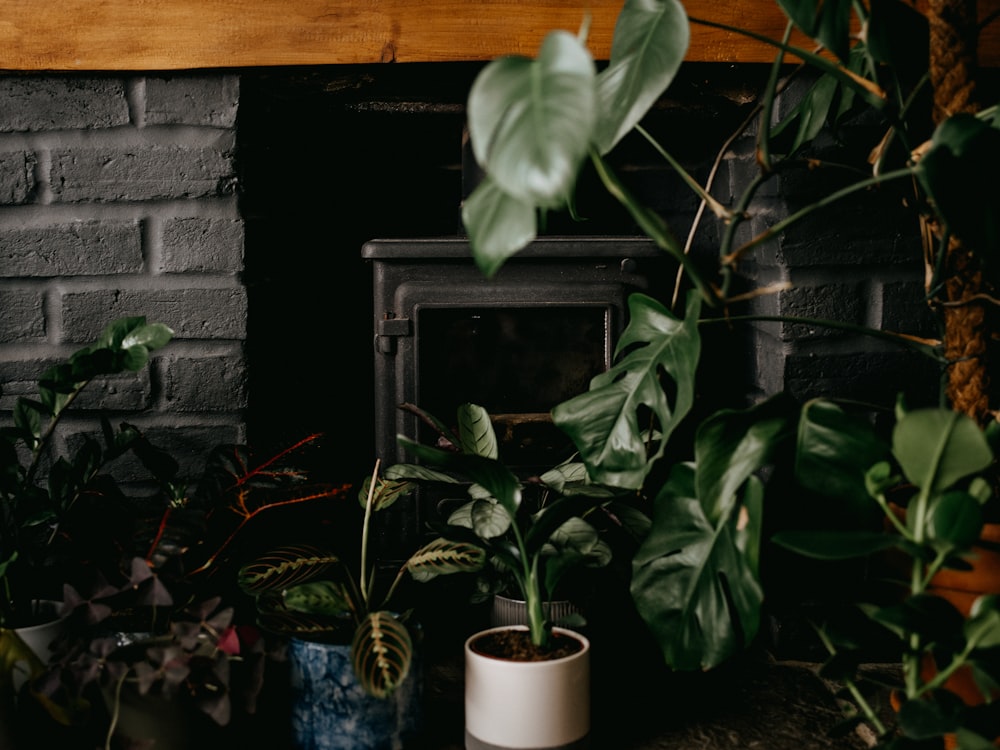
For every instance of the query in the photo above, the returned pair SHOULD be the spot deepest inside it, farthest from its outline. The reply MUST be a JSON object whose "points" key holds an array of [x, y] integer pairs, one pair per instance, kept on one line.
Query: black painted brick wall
{"points": [[117, 198]]}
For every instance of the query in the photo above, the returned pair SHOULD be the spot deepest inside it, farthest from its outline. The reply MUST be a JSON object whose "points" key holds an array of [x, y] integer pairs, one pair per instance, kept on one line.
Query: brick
{"points": [[202, 245], [39, 102], [22, 319], [876, 377], [129, 391], [193, 100], [905, 311], [91, 248], [144, 172], [843, 303], [17, 178], [19, 378], [193, 384], [191, 313]]}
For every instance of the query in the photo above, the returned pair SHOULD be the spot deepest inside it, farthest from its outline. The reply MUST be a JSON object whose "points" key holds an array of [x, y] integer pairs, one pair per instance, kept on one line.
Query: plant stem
{"points": [[366, 585]]}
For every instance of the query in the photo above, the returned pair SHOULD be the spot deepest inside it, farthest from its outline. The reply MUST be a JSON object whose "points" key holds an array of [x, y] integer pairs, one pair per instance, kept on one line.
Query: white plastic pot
{"points": [[514, 705]]}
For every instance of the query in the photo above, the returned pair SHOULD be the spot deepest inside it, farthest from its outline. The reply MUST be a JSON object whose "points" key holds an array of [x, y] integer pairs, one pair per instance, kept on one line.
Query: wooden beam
{"points": [[97, 35]]}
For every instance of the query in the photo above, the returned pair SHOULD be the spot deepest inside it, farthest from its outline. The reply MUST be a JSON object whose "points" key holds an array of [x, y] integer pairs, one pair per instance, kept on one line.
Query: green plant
{"points": [[940, 468], [160, 611], [536, 124], [45, 498], [533, 542], [306, 591]]}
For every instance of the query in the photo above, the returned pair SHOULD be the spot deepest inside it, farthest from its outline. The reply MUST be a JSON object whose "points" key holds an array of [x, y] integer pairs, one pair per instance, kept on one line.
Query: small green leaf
{"points": [[955, 518], [498, 224], [938, 447], [475, 431]]}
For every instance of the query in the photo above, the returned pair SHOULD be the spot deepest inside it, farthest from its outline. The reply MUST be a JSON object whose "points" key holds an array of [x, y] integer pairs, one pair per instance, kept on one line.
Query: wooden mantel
{"points": [[62, 35]]}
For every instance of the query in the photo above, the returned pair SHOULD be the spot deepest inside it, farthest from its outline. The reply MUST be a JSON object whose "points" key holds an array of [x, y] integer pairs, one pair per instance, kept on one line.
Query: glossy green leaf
{"points": [[381, 653], [963, 150], [489, 518], [692, 584], [475, 431], [827, 22], [834, 451], [531, 121], [498, 224], [955, 519], [650, 40], [608, 423], [937, 447]]}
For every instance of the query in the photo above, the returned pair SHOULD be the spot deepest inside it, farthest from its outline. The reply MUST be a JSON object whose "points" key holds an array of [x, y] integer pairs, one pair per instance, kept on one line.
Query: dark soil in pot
{"points": [[517, 646]]}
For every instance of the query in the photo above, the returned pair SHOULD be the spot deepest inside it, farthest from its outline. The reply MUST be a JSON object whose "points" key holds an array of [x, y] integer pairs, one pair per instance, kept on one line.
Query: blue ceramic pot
{"points": [[330, 711]]}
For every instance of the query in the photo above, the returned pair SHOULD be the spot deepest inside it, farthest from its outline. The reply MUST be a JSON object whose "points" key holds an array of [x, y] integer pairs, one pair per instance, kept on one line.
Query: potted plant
{"points": [[354, 655], [157, 625], [46, 498], [536, 124], [934, 485], [525, 685]]}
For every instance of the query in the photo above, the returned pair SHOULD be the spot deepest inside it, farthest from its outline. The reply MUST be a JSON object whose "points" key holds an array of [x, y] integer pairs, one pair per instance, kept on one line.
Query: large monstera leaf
{"points": [[650, 40], [695, 578], [530, 124], [607, 422], [382, 652]]}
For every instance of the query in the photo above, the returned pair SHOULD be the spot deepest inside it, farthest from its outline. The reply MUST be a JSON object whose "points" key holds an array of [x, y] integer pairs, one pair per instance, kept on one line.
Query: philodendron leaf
{"points": [[650, 40], [531, 121], [937, 447], [381, 653], [608, 423], [475, 431], [443, 557], [498, 224], [695, 584]]}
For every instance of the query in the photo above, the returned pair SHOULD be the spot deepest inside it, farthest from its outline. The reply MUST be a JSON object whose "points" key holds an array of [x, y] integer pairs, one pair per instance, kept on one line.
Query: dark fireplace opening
{"points": [[332, 158]]}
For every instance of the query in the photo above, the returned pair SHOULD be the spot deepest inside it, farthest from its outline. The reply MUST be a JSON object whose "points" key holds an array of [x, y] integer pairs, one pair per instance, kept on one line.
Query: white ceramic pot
{"points": [[513, 705]]}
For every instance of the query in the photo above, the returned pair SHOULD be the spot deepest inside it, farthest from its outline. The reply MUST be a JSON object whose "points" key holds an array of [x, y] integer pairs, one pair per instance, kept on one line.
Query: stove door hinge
{"points": [[388, 330]]}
